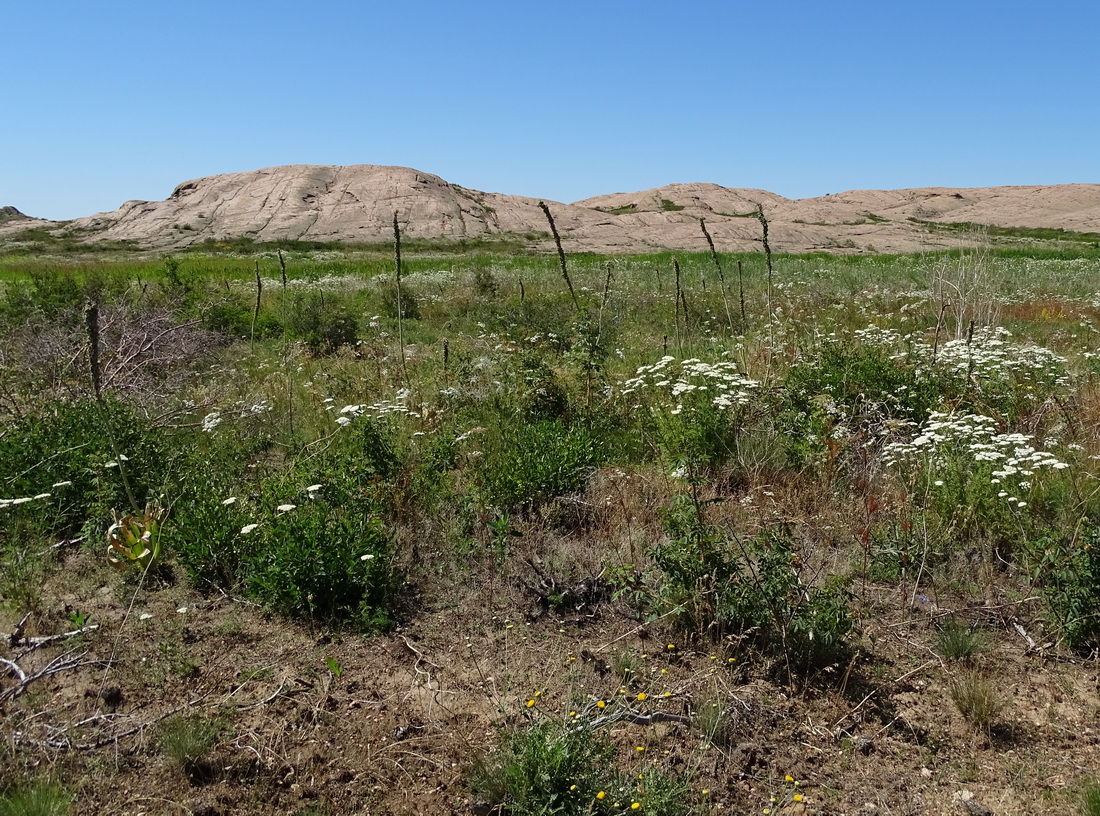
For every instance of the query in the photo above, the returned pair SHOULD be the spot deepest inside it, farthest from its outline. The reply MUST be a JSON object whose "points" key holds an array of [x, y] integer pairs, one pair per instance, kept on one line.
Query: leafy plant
{"points": [[1066, 570], [326, 560], [541, 769], [135, 539], [752, 587], [323, 327], [535, 462]]}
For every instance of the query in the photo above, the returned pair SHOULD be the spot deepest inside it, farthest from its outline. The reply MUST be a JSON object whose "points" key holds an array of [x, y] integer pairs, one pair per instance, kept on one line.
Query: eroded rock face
{"points": [[357, 203]]}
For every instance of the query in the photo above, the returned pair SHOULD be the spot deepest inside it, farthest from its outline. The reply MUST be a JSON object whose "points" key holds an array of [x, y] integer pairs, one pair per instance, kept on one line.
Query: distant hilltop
{"points": [[356, 203]]}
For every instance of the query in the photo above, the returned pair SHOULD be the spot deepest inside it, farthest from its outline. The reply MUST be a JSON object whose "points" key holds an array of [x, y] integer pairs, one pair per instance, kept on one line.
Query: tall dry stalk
{"points": [[679, 300], [561, 255], [91, 318], [741, 292], [400, 304], [767, 252], [256, 311], [721, 274]]}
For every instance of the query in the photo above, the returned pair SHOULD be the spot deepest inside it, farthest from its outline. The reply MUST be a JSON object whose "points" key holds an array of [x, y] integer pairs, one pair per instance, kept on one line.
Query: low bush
{"points": [[534, 462], [752, 586]]}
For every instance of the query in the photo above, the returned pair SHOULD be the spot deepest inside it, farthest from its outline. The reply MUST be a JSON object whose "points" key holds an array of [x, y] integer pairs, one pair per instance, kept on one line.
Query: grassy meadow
{"points": [[300, 530]]}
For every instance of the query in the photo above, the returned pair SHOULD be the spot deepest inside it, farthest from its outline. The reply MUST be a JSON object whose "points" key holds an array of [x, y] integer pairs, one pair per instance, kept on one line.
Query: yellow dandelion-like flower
{"points": [[601, 795], [797, 797], [538, 693], [572, 787], [642, 695], [789, 778], [601, 704], [706, 791], [636, 805], [572, 713], [641, 747], [671, 646], [530, 703]]}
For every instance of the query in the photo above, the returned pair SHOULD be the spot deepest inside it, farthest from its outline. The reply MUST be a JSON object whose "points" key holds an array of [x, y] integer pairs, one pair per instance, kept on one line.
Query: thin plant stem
{"points": [[721, 274], [91, 315], [400, 304], [561, 255], [679, 300], [256, 311]]}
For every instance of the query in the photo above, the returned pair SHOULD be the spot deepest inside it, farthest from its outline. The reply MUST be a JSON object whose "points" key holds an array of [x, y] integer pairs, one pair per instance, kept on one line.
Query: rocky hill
{"points": [[356, 204]]}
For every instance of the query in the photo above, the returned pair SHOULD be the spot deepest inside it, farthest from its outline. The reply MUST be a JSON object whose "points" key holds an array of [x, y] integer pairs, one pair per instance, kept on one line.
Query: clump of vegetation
{"points": [[39, 799], [978, 699]]}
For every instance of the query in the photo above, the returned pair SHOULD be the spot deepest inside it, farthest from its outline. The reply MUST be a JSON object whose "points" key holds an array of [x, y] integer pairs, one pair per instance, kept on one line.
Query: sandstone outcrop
{"points": [[356, 204]]}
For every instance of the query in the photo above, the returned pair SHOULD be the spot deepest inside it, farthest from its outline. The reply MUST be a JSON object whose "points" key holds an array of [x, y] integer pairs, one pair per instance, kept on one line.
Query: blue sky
{"points": [[108, 101]]}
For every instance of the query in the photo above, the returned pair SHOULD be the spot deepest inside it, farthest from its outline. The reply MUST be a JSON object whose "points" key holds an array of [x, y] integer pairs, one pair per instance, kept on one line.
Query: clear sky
{"points": [[562, 99]]}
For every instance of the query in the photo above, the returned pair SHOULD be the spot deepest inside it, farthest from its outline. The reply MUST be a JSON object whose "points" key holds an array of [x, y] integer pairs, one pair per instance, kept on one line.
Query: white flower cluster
{"points": [[721, 381], [1011, 456], [991, 355], [22, 500], [397, 405]]}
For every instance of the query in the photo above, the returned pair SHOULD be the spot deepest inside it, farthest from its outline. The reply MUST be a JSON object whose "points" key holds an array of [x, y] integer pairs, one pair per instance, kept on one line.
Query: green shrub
{"points": [[410, 308], [535, 462], [1066, 571], [326, 559], [958, 642], [323, 327], [542, 769], [235, 320], [752, 587], [694, 411], [855, 387], [66, 451]]}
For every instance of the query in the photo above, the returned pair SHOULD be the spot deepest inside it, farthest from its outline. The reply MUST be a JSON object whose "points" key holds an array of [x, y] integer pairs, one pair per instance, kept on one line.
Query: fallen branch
{"points": [[58, 664], [33, 643]]}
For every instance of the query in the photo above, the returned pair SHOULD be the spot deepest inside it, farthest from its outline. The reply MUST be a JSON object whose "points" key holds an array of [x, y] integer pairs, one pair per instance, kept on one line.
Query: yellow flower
{"points": [[706, 791], [641, 695], [601, 704], [797, 797], [641, 747], [572, 787], [572, 713], [530, 703], [636, 805], [789, 778], [601, 795]]}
